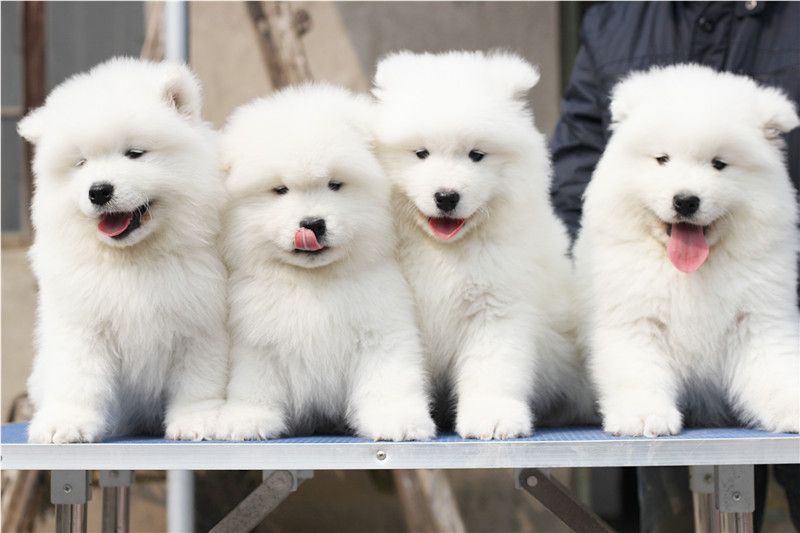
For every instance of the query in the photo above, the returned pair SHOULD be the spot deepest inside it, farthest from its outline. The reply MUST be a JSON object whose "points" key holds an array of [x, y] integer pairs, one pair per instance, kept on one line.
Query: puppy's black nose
{"points": [[317, 225], [101, 193], [446, 200], [685, 205]]}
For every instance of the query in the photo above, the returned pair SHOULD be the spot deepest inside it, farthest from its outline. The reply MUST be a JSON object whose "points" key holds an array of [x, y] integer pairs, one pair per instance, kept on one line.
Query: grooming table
{"points": [[721, 459]]}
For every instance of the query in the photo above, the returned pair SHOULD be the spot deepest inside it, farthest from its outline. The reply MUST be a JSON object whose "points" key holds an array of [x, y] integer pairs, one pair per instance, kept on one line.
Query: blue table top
{"points": [[17, 434]]}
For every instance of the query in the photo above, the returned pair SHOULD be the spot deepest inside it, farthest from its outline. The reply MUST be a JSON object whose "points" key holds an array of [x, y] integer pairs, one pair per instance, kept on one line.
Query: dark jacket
{"points": [[760, 39]]}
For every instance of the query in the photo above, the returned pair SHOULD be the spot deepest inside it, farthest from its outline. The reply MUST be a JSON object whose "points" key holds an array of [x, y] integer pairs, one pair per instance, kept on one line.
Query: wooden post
{"points": [[279, 30], [24, 491], [428, 502], [153, 45], [35, 80]]}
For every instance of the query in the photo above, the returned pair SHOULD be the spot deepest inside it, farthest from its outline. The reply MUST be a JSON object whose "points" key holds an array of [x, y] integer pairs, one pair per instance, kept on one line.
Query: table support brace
{"points": [[275, 488], [558, 500]]}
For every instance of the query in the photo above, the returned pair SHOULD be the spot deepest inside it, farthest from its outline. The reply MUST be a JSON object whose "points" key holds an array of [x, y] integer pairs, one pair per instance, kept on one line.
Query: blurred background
{"points": [[228, 46]]}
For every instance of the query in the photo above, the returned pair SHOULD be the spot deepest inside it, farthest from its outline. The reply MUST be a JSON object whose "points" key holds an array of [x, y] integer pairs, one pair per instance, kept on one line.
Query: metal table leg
{"points": [[734, 496], [70, 491], [558, 500], [180, 501], [701, 481], [116, 500]]}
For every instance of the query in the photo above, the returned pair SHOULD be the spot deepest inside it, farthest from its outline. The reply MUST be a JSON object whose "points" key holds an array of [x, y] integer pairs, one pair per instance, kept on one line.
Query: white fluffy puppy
{"points": [[688, 256], [321, 319], [480, 244], [131, 323]]}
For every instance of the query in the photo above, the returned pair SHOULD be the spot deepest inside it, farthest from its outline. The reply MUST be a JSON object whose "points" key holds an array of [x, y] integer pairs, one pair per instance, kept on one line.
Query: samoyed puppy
{"points": [[131, 323], [322, 324], [688, 254], [479, 242]]}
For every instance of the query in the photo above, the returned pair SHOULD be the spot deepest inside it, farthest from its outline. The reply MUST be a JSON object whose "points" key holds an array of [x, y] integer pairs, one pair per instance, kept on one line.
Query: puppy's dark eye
{"points": [[422, 153], [476, 155], [80, 162], [135, 153], [335, 185], [283, 189], [718, 163], [662, 159]]}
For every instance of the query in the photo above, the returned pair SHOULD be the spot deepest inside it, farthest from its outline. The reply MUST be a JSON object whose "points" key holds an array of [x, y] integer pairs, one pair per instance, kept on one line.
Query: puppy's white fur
{"points": [[494, 301], [721, 344], [127, 328], [317, 339]]}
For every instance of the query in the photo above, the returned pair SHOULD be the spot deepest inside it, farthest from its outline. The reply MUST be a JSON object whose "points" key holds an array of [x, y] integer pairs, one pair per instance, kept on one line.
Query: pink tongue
{"points": [[687, 248], [114, 223], [445, 228], [304, 239]]}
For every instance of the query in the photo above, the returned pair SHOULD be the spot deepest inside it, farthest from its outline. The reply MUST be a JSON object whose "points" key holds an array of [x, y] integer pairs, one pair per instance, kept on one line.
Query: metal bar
{"points": [[577, 447], [70, 518], [116, 500], [734, 497], [258, 504], [176, 31], [180, 501], [70, 491], [557, 499], [701, 482]]}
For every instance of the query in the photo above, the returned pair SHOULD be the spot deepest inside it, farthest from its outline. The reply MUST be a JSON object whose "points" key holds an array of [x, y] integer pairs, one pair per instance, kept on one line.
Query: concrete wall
{"points": [[347, 38]]}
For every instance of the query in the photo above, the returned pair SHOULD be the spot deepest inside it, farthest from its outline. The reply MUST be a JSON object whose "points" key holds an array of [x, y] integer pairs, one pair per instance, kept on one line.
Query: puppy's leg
{"points": [[72, 385], [637, 388], [388, 399], [197, 386], [765, 381], [494, 382], [256, 396]]}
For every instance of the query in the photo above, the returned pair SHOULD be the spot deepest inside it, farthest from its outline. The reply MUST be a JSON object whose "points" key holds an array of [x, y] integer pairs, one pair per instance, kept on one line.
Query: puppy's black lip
{"points": [[136, 221], [669, 226], [311, 252]]}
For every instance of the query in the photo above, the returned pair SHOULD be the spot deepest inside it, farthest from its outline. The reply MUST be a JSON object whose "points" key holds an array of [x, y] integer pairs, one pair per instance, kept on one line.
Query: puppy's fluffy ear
{"points": [[32, 126], [392, 70], [776, 112], [626, 94], [514, 74], [181, 89]]}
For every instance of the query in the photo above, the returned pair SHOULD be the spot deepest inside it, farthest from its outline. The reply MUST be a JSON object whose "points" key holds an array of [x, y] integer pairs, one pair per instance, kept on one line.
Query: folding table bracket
{"points": [[275, 488], [558, 500], [70, 492]]}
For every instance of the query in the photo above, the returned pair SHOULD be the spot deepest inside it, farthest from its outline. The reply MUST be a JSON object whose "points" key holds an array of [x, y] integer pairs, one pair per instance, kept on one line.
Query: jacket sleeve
{"points": [[578, 140]]}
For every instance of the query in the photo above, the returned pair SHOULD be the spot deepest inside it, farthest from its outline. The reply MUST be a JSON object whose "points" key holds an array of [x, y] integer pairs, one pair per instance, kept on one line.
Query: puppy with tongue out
{"points": [[131, 334], [479, 242], [321, 319], [687, 257]]}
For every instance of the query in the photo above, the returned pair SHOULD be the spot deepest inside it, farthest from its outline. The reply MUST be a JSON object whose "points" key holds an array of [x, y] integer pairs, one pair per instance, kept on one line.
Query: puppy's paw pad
{"points": [[244, 422], [494, 419]]}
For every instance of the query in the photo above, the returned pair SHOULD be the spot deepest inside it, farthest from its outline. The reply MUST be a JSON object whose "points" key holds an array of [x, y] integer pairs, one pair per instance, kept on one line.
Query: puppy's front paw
{"points": [[66, 424], [241, 421], [397, 423], [783, 415], [494, 418], [643, 418], [193, 422]]}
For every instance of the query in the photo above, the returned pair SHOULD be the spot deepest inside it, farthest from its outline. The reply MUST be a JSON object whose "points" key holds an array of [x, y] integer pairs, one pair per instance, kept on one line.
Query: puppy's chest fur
{"points": [[140, 312], [317, 328], [458, 287]]}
